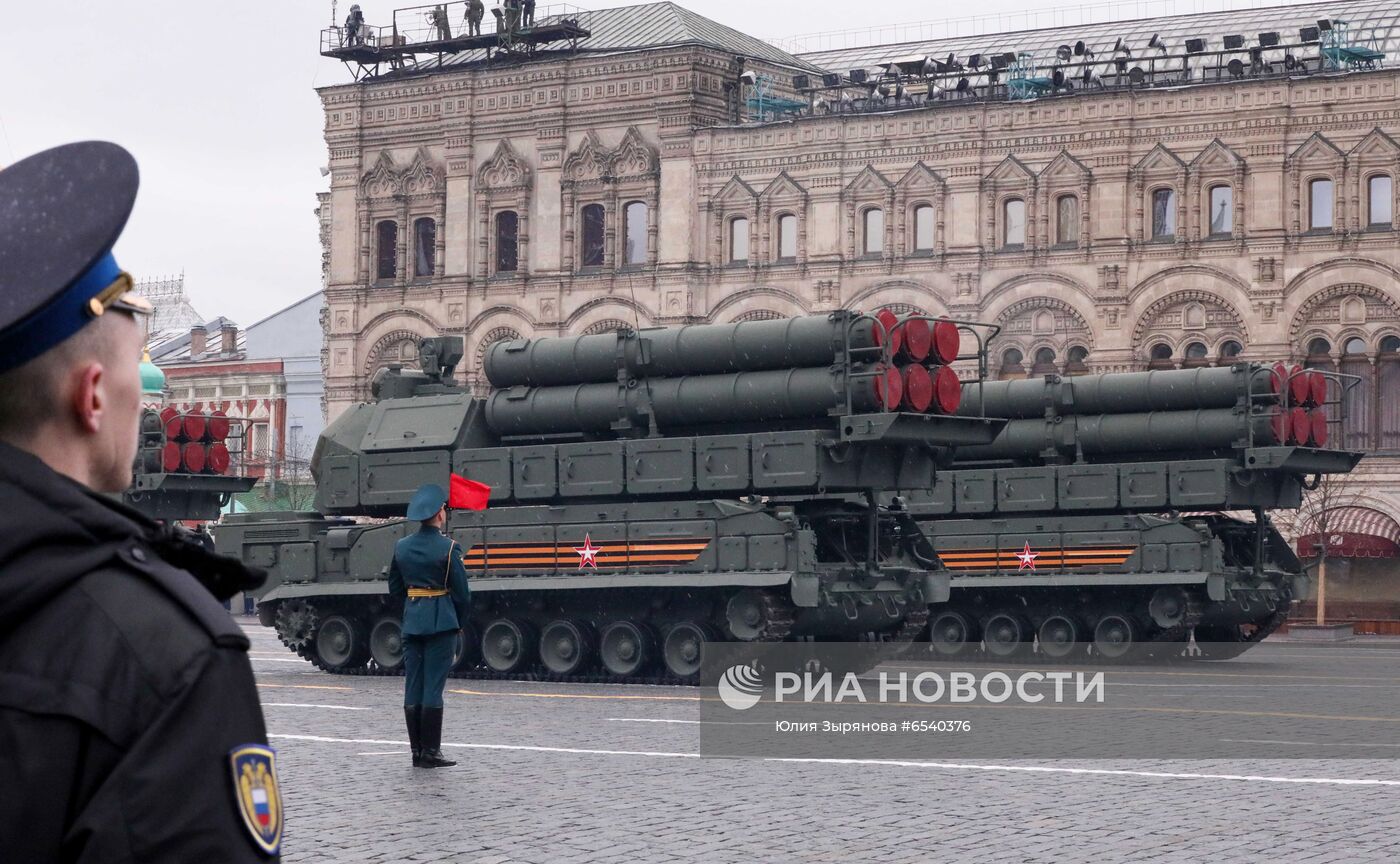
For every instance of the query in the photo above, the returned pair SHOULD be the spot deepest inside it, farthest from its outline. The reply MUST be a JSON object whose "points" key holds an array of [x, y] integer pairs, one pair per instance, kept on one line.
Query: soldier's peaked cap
{"points": [[61, 211], [426, 502]]}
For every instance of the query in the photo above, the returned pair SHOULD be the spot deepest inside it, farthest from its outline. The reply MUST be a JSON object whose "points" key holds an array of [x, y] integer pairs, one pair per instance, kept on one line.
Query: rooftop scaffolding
{"points": [[1182, 51], [442, 29]]}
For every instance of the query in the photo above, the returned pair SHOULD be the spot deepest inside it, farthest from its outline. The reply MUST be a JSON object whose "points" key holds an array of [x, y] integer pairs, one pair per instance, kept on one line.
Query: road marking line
{"points": [[311, 705], [278, 660], [892, 763], [1148, 709], [385, 753], [305, 686], [585, 696], [652, 720], [1303, 743]]}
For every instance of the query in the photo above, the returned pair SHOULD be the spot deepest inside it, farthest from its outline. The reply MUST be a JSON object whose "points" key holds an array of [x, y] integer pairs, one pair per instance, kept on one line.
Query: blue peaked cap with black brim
{"points": [[61, 211]]}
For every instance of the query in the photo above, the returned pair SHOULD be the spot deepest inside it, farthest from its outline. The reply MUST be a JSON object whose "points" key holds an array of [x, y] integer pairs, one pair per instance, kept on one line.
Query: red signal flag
{"points": [[467, 494]]}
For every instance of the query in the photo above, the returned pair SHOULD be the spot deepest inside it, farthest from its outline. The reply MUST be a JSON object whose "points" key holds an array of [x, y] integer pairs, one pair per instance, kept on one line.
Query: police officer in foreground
{"points": [[130, 729], [428, 576]]}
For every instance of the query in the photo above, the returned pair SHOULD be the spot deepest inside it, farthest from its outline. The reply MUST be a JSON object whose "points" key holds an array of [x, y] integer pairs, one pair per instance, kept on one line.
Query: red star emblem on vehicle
{"points": [[1027, 558], [587, 553]]}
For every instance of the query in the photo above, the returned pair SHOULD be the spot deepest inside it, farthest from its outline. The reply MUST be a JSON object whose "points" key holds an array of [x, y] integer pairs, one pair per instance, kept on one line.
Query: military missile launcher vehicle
{"points": [[650, 492], [182, 465], [1110, 511]]}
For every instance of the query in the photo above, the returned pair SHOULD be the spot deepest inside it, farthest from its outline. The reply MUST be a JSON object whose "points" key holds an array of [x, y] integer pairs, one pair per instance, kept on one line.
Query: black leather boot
{"points": [[432, 738], [413, 716]]}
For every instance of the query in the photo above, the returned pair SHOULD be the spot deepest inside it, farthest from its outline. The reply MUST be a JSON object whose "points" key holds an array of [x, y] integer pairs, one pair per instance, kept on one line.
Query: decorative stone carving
{"points": [[505, 170], [1205, 314], [634, 157]]}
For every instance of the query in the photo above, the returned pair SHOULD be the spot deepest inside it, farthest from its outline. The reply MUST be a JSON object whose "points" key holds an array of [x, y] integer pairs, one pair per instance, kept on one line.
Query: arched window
{"points": [[787, 237], [1160, 357], [1222, 211], [1320, 349], [424, 247], [1196, 354], [738, 240], [591, 252], [386, 254], [873, 237], [1066, 220], [1320, 205], [923, 228], [1163, 214], [1044, 362], [1358, 402], [1011, 367], [1230, 349], [635, 238], [507, 241], [1077, 364], [1380, 200], [1388, 382], [1013, 223]]}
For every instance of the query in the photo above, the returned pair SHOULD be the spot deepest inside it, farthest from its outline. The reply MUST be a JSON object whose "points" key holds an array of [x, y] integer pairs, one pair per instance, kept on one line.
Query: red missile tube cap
{"points": [[889, 388], [1299, 426], [218, 426], [1281, 427], [886, 331], [917, 338], [170, 457], [947, 390], [217, 459], [918, 388], [1317, 388], [170, 418], [1317, 428], [1299, 387], [195, 426], [193, 456], [947, 342]]}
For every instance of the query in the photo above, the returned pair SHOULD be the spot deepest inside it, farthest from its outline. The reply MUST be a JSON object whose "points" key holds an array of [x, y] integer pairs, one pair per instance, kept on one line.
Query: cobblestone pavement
{"points": [[592, 773]]}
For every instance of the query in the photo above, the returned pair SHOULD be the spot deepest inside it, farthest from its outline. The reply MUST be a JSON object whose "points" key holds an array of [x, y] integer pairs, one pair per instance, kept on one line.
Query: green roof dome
{"points": [[152, 379]]}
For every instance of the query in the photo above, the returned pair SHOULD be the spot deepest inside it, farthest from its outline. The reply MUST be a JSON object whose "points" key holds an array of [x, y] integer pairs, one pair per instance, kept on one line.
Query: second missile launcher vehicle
{"points": [[1127, 510], [649, 492]]}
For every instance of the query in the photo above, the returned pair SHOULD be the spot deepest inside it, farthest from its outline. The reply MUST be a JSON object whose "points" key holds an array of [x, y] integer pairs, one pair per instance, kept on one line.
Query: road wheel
{"points": [[1115, 637], [1059, 637], [1004, 634], [340, 645], [505, 646], [951, 634], [386, 644], [626, 649], [566, 647], [684, 648]]}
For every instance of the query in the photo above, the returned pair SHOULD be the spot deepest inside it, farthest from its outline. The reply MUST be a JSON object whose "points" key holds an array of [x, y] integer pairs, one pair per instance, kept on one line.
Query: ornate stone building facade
{"points": [[1110, 230]]}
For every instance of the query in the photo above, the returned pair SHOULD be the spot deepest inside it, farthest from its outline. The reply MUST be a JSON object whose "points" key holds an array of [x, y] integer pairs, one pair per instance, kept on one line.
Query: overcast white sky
{"points": [[217, 102]]}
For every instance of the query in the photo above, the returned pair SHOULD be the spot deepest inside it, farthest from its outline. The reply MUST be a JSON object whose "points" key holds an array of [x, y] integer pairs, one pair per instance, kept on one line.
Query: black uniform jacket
{"points": [[124, 684]]}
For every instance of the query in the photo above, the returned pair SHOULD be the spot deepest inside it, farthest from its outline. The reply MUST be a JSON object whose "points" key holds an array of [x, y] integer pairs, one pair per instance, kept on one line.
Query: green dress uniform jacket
{"points": [[430, 562]]}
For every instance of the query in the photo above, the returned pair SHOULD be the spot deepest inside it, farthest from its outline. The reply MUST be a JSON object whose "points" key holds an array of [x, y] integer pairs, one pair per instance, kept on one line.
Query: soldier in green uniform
{"points": [[428, 576]]}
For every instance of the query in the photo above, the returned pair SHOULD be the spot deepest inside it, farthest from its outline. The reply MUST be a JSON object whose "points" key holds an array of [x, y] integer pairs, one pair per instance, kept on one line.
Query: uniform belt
{"points": [[427, 592]]}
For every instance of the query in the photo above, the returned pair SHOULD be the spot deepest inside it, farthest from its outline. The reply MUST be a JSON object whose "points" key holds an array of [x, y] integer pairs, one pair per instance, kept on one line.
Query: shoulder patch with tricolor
{"points": [[254, 774]]}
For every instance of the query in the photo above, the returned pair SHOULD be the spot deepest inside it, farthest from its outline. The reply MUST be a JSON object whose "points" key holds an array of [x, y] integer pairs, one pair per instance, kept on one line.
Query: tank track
{"points": [[1261, 632], [777, 627], [1149, 647]]}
